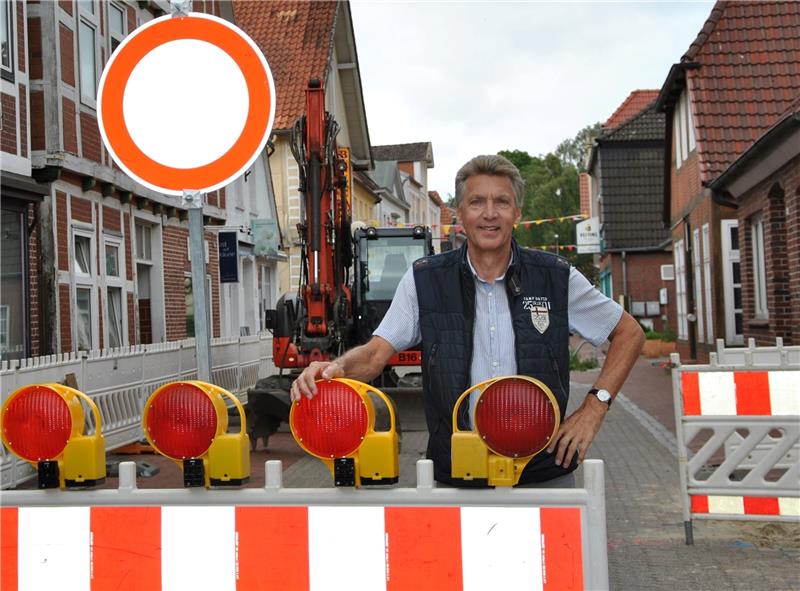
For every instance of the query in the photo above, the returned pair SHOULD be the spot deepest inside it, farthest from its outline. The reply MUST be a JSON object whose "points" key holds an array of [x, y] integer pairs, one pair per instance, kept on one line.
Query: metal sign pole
{"points": [[202, 329]]}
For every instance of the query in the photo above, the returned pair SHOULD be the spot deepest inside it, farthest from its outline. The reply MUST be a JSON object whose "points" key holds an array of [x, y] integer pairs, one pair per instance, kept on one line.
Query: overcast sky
{"points": [[478, 77]]}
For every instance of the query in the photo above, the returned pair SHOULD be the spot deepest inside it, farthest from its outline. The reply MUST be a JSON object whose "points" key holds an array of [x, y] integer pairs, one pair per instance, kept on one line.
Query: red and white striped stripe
{"points": [[733, 505], [343, 547], [743, 393]]}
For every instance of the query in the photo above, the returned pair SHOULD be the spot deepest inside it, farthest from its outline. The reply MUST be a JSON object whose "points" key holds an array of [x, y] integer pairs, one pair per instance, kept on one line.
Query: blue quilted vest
{"points": [[446, 294]]}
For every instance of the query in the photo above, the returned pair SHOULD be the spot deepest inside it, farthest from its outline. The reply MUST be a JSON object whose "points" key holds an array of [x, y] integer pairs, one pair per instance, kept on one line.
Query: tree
{"points": [[573, 151], [551, 191]]}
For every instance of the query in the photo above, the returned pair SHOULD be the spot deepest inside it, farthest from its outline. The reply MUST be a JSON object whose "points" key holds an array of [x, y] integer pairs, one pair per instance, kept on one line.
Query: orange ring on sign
{"points": [[125, 60]]}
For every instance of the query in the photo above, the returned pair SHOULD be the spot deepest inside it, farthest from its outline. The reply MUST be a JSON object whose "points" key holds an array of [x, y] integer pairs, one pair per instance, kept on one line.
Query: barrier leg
{"points": [[687, 529], [595, 484], [273, 474]]}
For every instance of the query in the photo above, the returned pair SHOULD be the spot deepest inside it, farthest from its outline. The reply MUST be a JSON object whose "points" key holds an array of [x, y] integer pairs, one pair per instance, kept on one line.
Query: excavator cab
{"points": [[382, 257]]}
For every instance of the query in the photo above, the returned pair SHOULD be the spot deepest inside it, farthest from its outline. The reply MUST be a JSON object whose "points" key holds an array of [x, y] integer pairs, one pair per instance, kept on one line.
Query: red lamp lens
{"points": [[333, 423], [37, 423], [182, 421], [514, 417]]}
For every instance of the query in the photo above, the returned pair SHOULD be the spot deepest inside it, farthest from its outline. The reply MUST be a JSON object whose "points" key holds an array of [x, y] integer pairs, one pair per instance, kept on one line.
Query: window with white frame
{"points": [[677, 130], [667, 272], [265, 293], [683, 128], [7, 39], [150, 320], [84, 275], [731, 282], [115, 302], [87, 51], [698, 285], [707, 284], [680, 290], [116, 25], [759, 267]]}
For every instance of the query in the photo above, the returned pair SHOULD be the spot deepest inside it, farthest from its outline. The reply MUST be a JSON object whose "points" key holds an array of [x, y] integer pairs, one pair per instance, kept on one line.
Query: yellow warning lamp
{"points": [[515, 418], [188, 423], [44, 425], [338, 427]]}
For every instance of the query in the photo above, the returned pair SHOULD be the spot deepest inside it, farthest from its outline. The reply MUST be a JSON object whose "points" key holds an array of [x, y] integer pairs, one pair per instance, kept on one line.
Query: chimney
{"points": [[586, 195]]}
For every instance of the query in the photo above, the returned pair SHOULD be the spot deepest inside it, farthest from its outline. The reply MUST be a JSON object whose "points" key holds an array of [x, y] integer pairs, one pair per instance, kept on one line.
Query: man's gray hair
{"points": [[494, 165]]}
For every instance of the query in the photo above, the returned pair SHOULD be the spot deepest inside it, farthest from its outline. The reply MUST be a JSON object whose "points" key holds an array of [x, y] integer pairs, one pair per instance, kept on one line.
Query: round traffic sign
{"points": [[186, 103]]}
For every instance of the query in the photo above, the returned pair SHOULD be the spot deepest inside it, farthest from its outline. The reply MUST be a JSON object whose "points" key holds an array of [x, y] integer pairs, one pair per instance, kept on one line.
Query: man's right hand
{"points": [[305, 384]]}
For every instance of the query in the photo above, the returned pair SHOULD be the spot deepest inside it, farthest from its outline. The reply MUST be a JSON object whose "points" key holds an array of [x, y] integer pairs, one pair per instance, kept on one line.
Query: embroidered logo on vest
{"points": [[539, 307]]}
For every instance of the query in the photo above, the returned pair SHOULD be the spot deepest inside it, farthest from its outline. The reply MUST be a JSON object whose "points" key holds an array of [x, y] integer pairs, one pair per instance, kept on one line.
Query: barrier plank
{"points": [[561, 549], [126, 548], [8, 548], [423, 544], [272, 548]]}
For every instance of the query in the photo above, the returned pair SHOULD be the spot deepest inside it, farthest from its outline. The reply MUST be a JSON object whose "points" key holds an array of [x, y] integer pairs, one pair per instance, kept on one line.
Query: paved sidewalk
{"points": [[645, 524]]}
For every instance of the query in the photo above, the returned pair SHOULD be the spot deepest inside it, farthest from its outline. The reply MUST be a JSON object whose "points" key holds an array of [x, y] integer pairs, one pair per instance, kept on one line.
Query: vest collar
{"points": [[512, 274]]}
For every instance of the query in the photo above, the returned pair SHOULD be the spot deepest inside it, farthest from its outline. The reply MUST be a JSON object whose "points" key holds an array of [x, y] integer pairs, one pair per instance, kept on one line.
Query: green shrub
{"points": [[576, 364], [654, 335]]}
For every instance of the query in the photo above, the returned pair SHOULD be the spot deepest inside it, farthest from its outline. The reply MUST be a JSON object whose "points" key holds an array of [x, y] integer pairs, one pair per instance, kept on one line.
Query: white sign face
{"points": [[186, 103], [587, 235]]}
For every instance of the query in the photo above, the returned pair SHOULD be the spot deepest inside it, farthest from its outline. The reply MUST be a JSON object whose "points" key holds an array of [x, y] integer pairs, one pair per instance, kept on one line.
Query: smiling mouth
{"points": [[490, 228]]}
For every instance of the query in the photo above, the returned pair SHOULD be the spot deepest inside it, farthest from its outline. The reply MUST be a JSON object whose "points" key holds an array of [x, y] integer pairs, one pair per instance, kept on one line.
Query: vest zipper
{"points": [[557, 371], [432, 356]]}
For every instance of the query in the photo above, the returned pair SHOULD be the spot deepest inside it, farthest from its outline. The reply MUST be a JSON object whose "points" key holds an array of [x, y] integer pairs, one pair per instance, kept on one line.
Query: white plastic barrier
{"points": [[752, 412], [120, 380], [277, 538]]}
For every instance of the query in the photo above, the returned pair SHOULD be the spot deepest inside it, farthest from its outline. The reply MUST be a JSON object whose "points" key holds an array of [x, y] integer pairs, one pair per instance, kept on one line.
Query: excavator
{"points": [[331, 311]]}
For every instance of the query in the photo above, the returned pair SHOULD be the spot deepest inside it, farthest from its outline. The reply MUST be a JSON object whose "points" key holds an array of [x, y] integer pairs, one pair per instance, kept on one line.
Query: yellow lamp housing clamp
{"points": [[338, 427], [188, 423], [515, 418], [44, 425]]}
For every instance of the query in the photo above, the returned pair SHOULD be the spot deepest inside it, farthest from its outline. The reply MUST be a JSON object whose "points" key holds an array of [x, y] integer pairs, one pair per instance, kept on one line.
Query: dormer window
{"points": [[683, 138]]}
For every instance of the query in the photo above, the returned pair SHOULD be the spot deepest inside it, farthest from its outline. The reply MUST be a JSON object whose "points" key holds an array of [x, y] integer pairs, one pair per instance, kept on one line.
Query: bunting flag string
{"points": [[526, 223], [567, 247]]}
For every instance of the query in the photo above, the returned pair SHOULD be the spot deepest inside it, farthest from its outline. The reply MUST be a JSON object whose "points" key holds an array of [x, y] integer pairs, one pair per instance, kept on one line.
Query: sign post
{"points": [[587, 233], [217, 122], [200, 299]]}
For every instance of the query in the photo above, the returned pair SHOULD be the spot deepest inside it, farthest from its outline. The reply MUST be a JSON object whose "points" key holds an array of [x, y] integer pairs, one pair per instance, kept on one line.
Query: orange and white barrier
{"points": [[741, 393], [744, 408], [306, 539], [238, 548], [724, 505]]}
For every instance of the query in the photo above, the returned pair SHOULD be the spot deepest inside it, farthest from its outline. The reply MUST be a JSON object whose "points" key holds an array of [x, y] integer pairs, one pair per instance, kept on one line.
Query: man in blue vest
{"points": [[493, 308]]}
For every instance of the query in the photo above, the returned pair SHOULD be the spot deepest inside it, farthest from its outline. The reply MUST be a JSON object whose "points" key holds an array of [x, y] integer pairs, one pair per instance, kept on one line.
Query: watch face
{"points": [[603, 395]]}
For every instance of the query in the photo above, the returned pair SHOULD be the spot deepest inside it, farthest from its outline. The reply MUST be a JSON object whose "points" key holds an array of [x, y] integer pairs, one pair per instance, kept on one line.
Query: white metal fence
{"points": [[120, 380]]}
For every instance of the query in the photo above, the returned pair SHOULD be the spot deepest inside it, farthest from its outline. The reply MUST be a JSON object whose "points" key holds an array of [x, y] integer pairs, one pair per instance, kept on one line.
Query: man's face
{"points": [[488, 212]]}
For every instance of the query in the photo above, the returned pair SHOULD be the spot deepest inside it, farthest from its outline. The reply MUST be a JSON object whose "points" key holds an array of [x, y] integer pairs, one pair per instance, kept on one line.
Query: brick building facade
{"points": [[713, 117], [103, 260], [623, 190], [765, 183]]}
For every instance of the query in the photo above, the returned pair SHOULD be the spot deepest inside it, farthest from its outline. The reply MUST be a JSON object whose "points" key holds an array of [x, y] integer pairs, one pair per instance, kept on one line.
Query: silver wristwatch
{"points": [[602, 395]]}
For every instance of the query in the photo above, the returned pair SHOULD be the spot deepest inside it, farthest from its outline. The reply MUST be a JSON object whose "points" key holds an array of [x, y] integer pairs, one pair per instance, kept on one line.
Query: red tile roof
{"points": [[749, 74], [633, 105], [297, 40], [434, 195]]}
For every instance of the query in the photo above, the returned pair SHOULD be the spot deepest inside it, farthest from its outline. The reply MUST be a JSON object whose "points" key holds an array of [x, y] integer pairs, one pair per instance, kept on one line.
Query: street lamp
{"points": [[556, 238]]}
